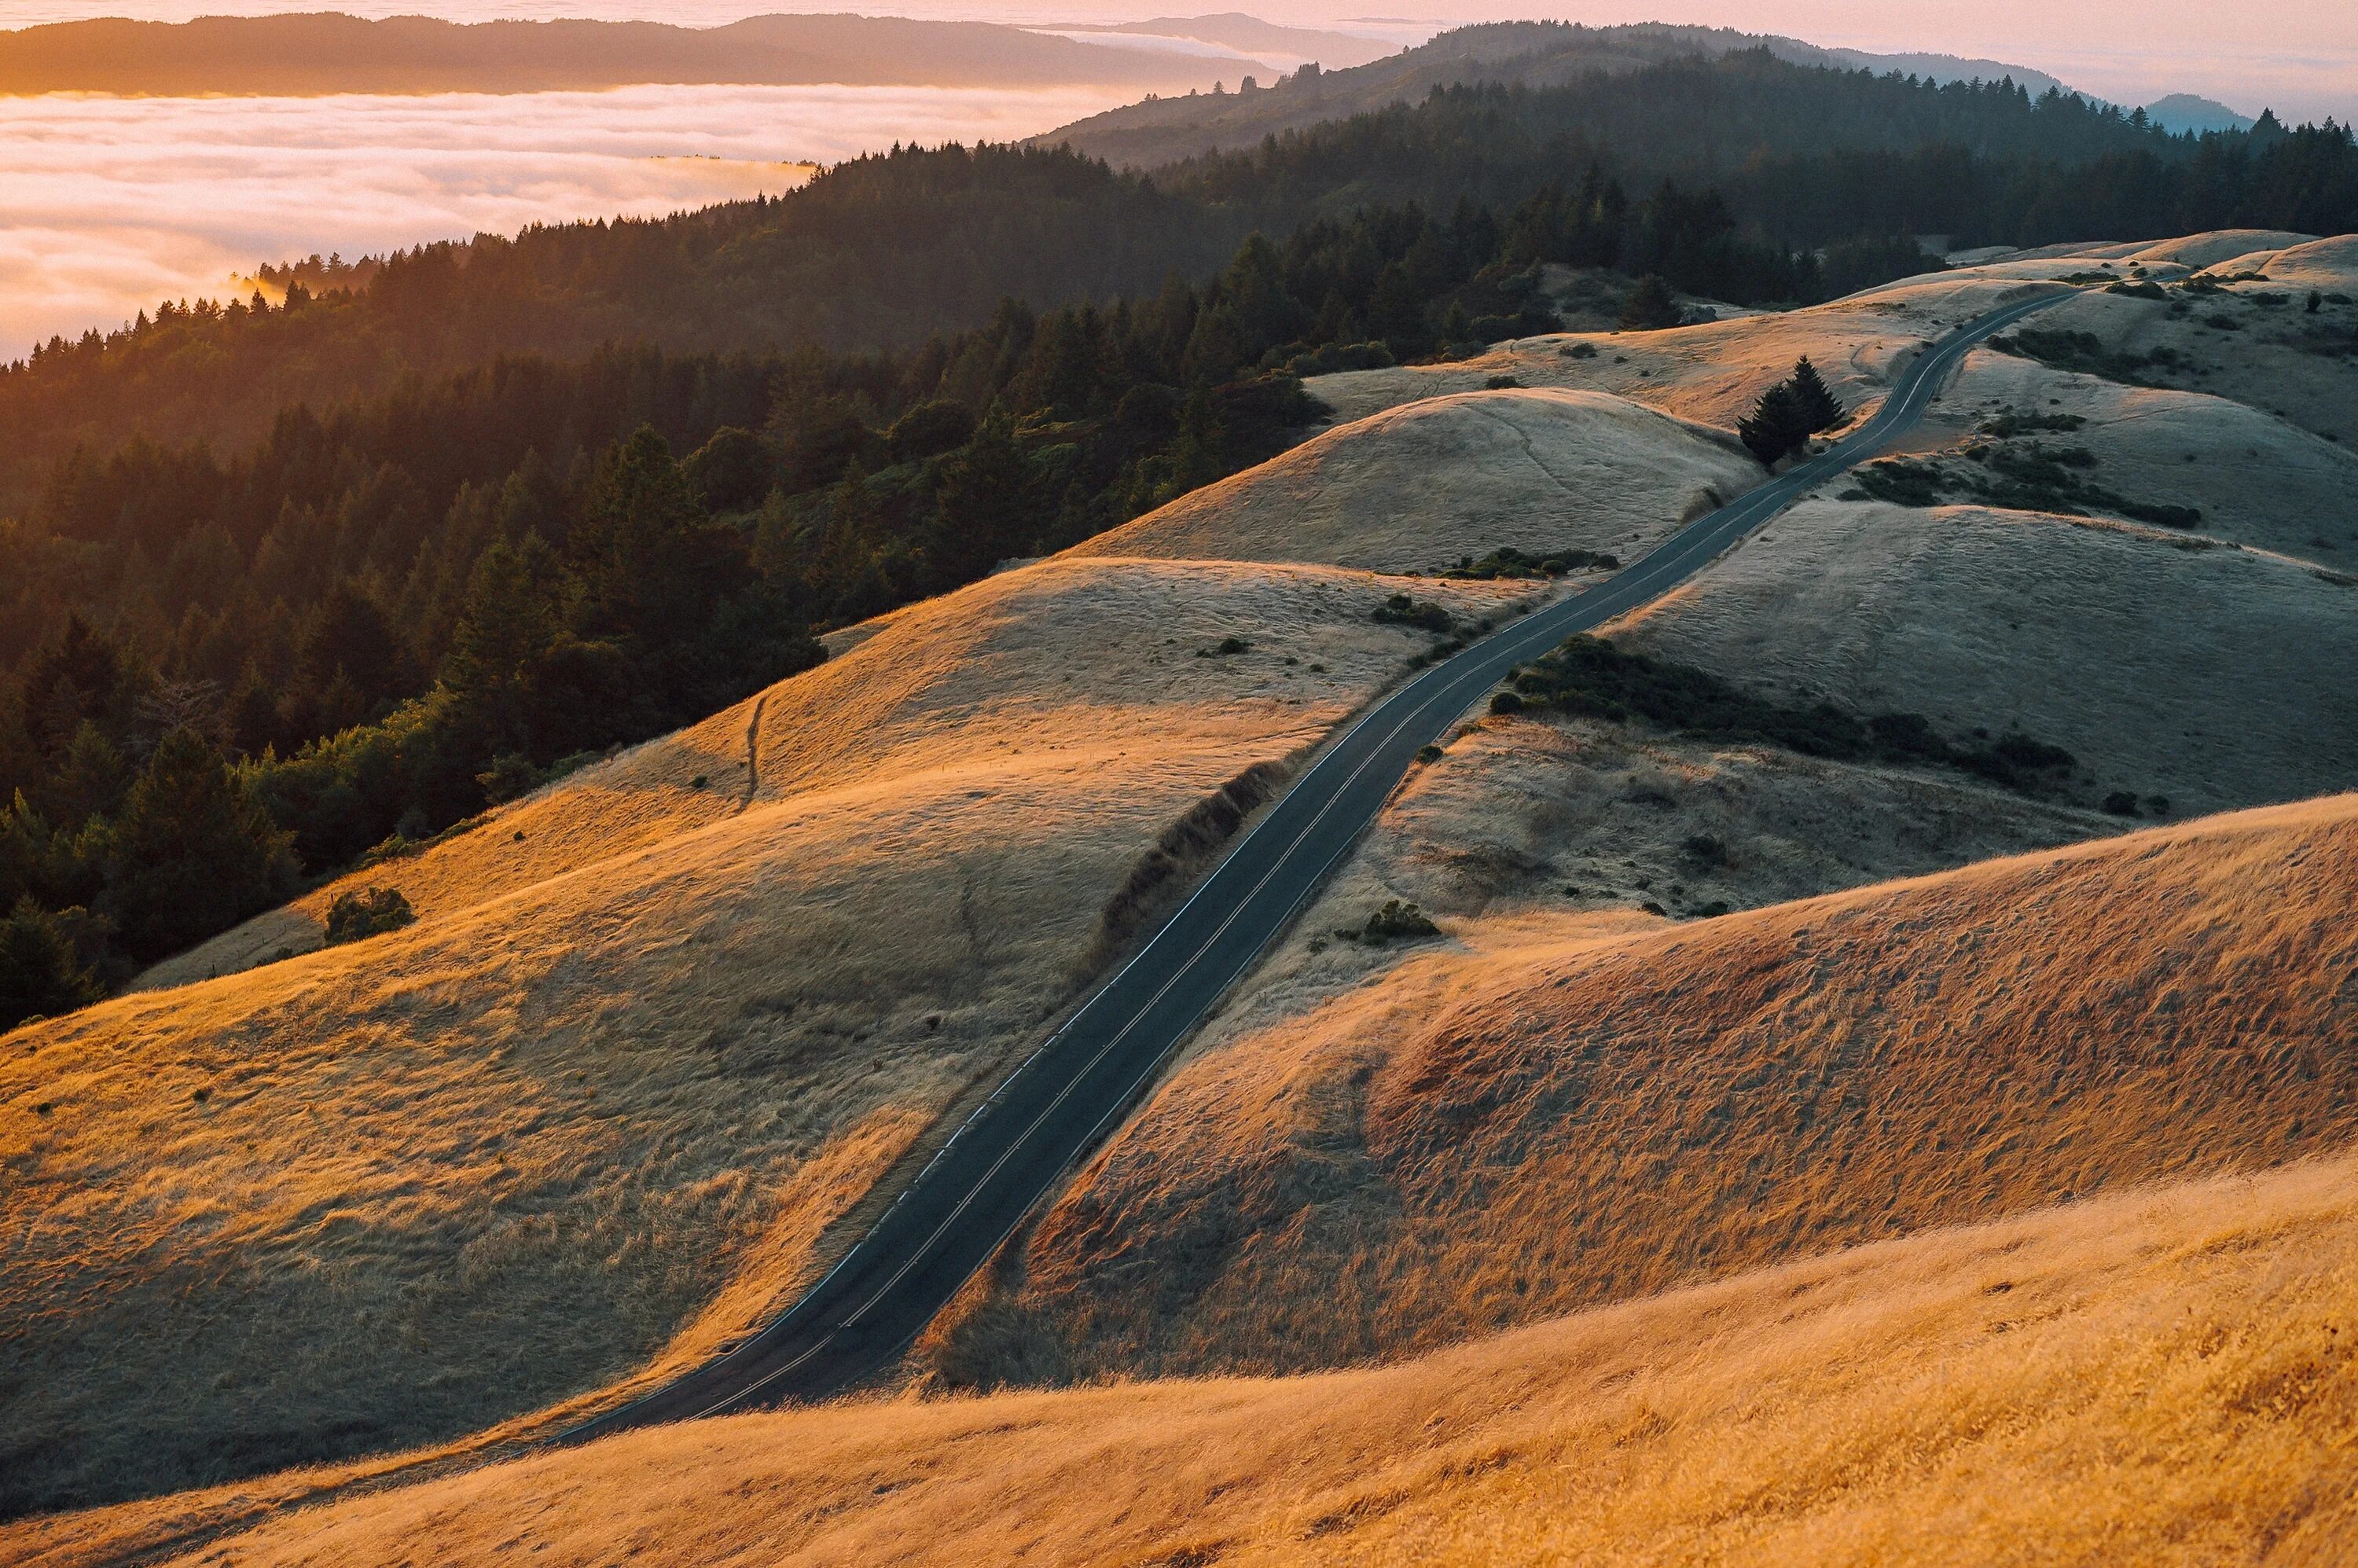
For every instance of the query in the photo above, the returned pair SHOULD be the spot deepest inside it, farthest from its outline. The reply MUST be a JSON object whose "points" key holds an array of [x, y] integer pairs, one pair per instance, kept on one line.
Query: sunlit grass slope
{"points": [[1417, 487], [1537, 1117], [596, 1110], [2158, 1378]]}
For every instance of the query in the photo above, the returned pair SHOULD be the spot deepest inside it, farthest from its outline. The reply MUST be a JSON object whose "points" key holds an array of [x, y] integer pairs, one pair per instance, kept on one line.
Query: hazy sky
{"points": [[2300, 55]]}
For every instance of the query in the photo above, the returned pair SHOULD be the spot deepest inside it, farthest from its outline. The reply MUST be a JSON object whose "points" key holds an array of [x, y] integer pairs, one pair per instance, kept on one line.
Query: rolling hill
{"points": [[1644, 1175]]}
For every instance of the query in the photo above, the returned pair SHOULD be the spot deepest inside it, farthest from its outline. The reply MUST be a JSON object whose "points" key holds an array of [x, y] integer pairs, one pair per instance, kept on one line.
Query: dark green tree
{"points": [[86, 676], [513, 616], [41, 973], [1778, 424], [192, 853], [351, 636], [1816, 405], [89, 779], [1649, 306], [982, 509]]}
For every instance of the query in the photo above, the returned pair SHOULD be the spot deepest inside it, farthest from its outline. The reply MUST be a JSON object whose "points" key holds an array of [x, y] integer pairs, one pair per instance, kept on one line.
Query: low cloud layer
{"points": [[108, 205]]}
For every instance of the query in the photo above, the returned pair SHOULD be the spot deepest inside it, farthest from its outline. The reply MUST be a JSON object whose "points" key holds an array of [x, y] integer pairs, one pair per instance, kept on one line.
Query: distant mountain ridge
{"points": [[1250, 36], [1536, 54], [320, 53], [2182, 111]]}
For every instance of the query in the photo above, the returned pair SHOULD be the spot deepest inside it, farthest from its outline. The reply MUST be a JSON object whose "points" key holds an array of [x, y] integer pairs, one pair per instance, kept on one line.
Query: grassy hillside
{"points": [[664, 1030], [1357, 1205], [655, 1029], [1535, 1118], [2159, 1376], [1450, 477]]}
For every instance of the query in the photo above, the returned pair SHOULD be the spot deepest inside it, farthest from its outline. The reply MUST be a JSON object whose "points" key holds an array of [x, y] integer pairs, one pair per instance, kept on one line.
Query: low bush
{"points": [[1394, 921], [1400, 610], [1513, 563], [365, 912], [2036, 479], [1334, 357], [1706, 848], [1649, 306], [1183, 848], [1901, 480], [2085, 352]]}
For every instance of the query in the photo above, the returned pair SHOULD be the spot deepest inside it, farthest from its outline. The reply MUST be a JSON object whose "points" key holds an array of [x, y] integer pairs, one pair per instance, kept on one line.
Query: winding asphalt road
{"points": [[1056, 1105]]}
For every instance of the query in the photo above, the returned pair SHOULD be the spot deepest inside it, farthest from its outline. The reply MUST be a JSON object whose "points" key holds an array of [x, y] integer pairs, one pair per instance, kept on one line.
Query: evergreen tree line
{"points": [[1797, 158], [224, 674]]}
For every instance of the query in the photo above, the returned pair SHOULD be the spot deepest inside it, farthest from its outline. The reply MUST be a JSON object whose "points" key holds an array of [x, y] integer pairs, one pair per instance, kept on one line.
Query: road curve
{"points": [[1054, 1107]]}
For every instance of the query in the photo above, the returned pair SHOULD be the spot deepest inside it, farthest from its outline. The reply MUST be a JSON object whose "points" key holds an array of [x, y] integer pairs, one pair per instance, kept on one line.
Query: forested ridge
{"points": [[523, 500], [883, 252]]}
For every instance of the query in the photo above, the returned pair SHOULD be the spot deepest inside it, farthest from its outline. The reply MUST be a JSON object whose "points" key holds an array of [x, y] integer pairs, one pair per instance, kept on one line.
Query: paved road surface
{"points": [[1013, 1150]]}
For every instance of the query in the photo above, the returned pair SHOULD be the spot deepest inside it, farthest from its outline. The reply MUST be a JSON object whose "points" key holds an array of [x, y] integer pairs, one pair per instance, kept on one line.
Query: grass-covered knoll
{"points": [[2195, 675], [1538, 472], [1545, 1115]]}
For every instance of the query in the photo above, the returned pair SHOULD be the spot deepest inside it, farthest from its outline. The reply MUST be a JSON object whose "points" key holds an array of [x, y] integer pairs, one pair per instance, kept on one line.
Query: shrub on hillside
{"points": [[368, 911], [932, 428], [1510, 563], [1400, 610], [1394, 921]]}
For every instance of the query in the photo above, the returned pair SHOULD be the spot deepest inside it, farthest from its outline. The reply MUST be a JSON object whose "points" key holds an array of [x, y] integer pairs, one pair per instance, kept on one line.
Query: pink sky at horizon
{"points": [[2299, 57]]}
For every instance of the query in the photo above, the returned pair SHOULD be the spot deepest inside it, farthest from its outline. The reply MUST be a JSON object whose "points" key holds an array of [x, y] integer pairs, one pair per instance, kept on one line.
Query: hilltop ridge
{"points": [[1530, 54], [308, 53]]}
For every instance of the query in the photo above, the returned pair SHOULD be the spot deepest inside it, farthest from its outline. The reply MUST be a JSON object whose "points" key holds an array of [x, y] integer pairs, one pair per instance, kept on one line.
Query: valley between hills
{"points": [[1658, 1140]]}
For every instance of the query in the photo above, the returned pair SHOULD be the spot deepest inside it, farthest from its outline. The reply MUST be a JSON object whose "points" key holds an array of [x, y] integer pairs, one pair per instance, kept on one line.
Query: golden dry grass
{"points": [[1541, 1116], [2206, 675], [2217, 245], [1713, 373], [1414, 487], [2257, 479], [2279, 358], [2156, 1378], [598, 1110], [650, 1042]]}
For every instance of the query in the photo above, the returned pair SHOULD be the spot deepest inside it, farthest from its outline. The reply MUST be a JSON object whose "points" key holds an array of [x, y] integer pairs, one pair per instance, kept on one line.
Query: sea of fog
{"points": [[108, 205]]}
